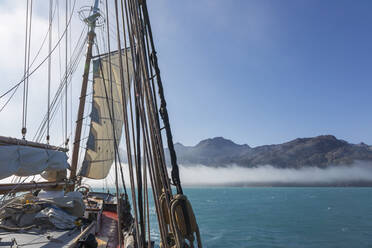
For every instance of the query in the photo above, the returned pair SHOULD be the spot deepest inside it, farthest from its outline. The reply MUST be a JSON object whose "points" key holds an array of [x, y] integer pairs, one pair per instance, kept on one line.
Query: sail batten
{"points": [[106, 114]]}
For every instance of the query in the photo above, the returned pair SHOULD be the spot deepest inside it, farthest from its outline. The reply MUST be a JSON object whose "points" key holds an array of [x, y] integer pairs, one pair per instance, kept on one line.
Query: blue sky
{"points": [[266, 71], [254, 71]]}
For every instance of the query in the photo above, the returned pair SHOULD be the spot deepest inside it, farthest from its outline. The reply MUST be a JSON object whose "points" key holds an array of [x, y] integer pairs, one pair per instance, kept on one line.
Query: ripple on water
{"points": [[295, 217]]}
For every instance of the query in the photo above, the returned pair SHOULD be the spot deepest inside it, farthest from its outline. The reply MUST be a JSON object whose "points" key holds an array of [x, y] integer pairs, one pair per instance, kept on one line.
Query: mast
{"points": [[91, 20]]}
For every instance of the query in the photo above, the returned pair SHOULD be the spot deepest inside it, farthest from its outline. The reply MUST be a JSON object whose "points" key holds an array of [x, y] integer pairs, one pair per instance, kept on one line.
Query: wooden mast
{"points": [[91, 20]]}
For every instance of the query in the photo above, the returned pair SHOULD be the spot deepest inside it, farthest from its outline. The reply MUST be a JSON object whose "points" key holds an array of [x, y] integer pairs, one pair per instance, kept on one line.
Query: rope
{"points": [[15, 87], [77, 56], [184, 222], [25, 72], [26, 67], [146, 197], [112, 117], [24, 83], [147, 121], [121, 73], [138, 155], [163, 105], [49, 68], [66, 75], [129, 153], [154, 174]]}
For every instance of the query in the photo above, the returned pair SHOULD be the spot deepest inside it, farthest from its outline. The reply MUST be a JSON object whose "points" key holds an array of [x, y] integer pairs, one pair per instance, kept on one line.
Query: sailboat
{"points": [[126, 99]]}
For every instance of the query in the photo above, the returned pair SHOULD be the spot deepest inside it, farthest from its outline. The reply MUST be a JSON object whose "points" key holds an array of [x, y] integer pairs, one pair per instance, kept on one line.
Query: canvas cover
{"points": [[27, 161]]}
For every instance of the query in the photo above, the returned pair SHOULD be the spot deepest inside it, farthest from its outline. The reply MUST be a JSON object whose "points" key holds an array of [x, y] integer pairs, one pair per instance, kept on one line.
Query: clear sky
{"points": [[266, 71], [254, 71]]}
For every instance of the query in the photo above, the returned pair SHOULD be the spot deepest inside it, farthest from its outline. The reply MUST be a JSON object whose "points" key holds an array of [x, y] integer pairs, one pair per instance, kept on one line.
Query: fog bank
{"points": [[357, 174]]}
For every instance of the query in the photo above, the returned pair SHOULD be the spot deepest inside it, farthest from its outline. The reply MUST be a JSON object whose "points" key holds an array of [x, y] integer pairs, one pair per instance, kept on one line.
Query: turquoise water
{"points": [[282, 217]]}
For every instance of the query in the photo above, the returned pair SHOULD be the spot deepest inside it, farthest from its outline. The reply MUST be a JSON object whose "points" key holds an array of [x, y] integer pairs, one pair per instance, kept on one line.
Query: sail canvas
{"points": [[107, 115]]}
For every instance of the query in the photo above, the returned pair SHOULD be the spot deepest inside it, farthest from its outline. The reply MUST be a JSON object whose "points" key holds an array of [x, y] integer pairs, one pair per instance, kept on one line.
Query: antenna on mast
{"points": [[92, 16]]}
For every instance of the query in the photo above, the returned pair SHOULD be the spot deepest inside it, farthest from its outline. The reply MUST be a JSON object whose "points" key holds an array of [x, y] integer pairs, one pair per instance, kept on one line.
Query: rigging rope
{"points": [[49, 67], [66, 75], [24, 83], [147, 116], [26, 66], [15, 87], [163, 106], [155, 174], [112, 117], [138, 157], [76, 58]]}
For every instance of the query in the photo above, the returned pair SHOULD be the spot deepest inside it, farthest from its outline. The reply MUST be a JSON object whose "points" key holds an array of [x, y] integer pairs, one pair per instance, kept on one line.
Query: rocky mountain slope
{"points": [[320, 151]]}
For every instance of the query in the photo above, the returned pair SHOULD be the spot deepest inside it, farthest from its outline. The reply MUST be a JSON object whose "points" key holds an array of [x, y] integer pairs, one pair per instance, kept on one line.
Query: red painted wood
{"points": [[109, 228]]}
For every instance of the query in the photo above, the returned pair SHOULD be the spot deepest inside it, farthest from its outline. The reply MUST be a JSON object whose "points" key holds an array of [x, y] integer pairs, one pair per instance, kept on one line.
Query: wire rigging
{"points": [[66, 75], [112, 117], [14, 87], [49, 67], [76, 57], [26, 66]]}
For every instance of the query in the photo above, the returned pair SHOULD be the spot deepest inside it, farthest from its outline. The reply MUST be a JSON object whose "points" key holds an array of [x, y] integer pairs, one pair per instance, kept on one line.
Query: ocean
{"points": [[281, 217]]}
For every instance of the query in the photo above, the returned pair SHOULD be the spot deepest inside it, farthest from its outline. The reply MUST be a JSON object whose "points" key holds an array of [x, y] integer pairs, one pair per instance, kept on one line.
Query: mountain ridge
{"points": [[320, 151]]}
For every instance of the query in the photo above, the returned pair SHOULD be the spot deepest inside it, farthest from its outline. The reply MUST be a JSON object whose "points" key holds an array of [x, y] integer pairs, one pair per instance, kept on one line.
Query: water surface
{"points": [[281, 217], [284, 217]]}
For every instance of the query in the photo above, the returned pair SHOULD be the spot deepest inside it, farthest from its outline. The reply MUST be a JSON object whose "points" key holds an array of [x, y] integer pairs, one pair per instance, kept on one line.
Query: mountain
{"points": [[214, 151], [320, 151]]}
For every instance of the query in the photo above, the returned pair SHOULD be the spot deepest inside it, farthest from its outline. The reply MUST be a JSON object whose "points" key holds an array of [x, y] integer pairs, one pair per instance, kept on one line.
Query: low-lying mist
{"points": [[359, 174]]}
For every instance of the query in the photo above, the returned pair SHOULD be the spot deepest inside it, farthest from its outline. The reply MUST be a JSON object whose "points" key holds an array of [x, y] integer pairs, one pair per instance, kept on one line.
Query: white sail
{"points": [[27, 161], [106, 113]]}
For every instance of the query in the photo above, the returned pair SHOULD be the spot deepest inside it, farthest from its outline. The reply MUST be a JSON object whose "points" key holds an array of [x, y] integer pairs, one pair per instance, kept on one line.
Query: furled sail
{"points": [[24, 161], [106, 111]]}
